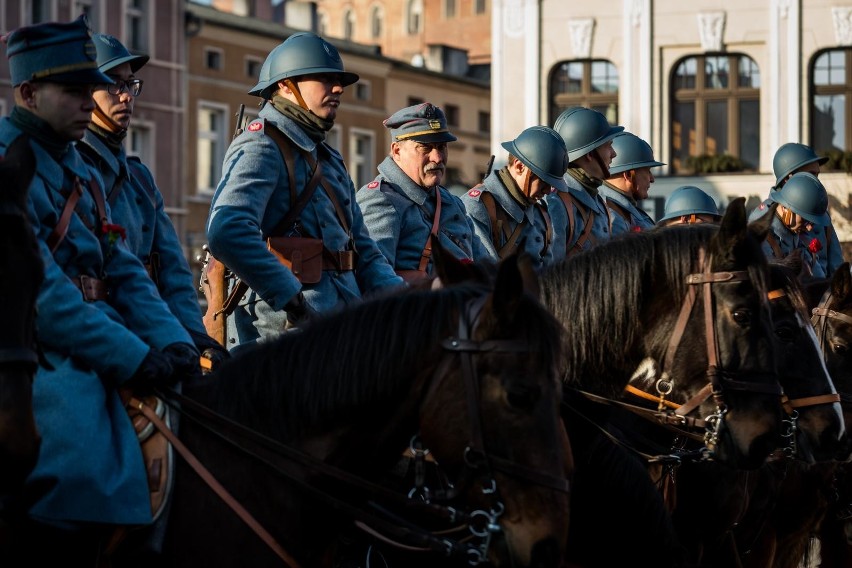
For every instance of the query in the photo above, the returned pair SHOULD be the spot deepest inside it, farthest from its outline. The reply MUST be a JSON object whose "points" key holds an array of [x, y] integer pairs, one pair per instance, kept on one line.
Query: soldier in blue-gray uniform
{"points": [[792, 158], [580, 216], [802, 205], [629, 180], [406, 203], [272, 195], [505, 208], [101, 323], [134, 199]]}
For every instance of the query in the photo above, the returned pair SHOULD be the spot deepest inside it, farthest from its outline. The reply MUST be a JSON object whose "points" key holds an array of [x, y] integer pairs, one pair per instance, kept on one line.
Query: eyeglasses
{"points": [[132, 86]]}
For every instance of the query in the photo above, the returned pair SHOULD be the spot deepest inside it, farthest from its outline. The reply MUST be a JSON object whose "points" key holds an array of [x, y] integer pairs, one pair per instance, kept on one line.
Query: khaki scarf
{"points": [[314, 126], [590, 184]]}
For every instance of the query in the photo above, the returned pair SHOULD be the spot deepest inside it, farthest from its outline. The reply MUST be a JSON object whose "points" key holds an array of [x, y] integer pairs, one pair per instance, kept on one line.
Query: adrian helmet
{"points": [[689, 200], [583, 130], [804, 195], [633, 153], [542, 150], [112, 53], [790, 157]]}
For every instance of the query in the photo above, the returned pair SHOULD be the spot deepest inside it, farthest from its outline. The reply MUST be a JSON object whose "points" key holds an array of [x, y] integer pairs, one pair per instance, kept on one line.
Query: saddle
{"points": [[157, 452]]}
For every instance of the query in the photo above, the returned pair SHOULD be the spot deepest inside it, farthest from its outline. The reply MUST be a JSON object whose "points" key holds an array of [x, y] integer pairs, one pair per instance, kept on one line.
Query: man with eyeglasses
{"points": [[406, 203], [134, 199]]}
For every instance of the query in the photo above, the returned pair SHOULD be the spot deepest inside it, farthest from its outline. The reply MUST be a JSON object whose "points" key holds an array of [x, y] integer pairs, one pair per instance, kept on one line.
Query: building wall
{"points": [[466, 29], [644, 40]]}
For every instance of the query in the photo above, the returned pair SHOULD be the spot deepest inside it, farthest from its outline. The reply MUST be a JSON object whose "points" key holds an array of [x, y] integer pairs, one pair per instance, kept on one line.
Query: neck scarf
{"points": [[511, 185], [590, 184], [314, 126], [113, 140]]}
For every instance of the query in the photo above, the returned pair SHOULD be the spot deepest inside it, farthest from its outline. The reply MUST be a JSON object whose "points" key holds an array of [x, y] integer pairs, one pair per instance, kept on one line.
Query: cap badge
{"points": [[435, 124]]}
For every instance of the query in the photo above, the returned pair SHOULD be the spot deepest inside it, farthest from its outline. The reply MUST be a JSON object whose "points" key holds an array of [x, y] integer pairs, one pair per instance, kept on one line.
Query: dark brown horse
{"points": [[471, 370], [21, 274], [620, 304]]}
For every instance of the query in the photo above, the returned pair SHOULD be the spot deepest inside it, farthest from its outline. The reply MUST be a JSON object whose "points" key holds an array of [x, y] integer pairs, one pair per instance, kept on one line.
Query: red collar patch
{"points": [[474, 193], [373, 185], [255, 126]]}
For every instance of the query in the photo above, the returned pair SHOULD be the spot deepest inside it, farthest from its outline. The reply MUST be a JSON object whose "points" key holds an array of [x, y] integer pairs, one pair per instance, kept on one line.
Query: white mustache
{"points": [[433, 168]]}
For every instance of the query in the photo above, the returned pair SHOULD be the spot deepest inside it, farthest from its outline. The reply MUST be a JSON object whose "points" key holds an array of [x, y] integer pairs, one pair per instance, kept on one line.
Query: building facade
{"points": [[154, 27], [715, 86]]}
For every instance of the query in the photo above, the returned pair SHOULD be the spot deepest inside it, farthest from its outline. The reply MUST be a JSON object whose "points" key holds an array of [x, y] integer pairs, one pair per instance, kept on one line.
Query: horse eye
{"points": [[742, 317], [523, 397], [785, 333], [839, 348]]}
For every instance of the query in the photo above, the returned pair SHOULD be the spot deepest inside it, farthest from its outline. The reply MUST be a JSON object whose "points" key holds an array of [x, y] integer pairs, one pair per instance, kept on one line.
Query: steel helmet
{"points": [[633, 153], [790, 157], [583, 130], [542, 150], [112, 53], [301, 54], [689, 200], [804, 195]]}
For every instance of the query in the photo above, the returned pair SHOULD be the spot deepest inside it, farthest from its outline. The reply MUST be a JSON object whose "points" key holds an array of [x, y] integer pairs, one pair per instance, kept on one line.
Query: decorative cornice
{"points": [[711, 29], [842, 17], [513, 18], [581, 32]]}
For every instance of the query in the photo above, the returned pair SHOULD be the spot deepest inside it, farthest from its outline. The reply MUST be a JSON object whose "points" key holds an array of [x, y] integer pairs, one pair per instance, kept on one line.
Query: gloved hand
{"points": [[210, 349], [299, 312], [155, 371], [184, 360]]}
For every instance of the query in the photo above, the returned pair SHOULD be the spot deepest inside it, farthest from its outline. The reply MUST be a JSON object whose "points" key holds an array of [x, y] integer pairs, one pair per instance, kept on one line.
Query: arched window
{"points": [[349, 24], [377, 22], [322, 24], [591, 83], [414, 17], [715, 112], [831, 100]]}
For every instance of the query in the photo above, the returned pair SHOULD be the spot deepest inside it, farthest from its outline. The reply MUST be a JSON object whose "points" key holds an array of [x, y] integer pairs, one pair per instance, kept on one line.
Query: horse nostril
{"points": [[545, 554]]}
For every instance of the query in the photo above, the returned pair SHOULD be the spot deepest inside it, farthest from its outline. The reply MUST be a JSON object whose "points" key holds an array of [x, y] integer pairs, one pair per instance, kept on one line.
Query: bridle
{"points": [[26, 355], [819, 319], [294, 464], [720, 380]]}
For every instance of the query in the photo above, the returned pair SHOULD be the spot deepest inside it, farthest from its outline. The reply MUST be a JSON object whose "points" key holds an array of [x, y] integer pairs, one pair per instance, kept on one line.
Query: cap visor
{"points": [[433, 138], [83, 77]]}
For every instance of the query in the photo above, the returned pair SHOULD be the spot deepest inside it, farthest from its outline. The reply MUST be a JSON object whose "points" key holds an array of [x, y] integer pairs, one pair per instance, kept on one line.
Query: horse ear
{"points": [[760, 226], [448, 269], [732, 230], [17, 169], [841, 284]]}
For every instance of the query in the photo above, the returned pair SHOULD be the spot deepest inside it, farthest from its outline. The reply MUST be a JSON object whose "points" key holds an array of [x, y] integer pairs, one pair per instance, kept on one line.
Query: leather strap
{"points": [[548, 227], [93, 289], [426, 255], [214, 484], [588, 220], [500, 227], [825, 312], [61, 229]]}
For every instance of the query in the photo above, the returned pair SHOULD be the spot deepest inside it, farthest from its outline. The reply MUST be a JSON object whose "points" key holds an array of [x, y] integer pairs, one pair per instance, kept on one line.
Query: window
{"points": [[715, 109], [831, 100], [414, 101], [349, 25], [41, 11], [363, 90], [252, 67], [414, 17], [479, 6], [90, 9], [589, 83], [361, 166], [332, 138], [452, 112], [377, 19], [136, 23], [484, 122], [322, 23], [449, 8], [212, 129], [140, 143], [213, 58]]}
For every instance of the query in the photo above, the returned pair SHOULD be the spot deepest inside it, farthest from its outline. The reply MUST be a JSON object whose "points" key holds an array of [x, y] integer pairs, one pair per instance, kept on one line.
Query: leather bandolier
{"points": [[421, 272], [588, 222], [504, 241]]}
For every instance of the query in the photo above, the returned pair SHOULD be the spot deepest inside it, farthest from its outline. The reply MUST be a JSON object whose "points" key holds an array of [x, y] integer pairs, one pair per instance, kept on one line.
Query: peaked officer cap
{"points": [[55, 52], [422, 123]]}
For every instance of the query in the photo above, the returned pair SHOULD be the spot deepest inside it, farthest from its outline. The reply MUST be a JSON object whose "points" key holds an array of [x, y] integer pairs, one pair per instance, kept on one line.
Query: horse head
{"points": [[21, 274], [832, 320], [501, 403]]}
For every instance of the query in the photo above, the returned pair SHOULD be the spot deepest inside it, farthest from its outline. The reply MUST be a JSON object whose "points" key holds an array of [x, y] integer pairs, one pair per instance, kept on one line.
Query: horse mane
{"points": [[347, 365], [603, 295]]}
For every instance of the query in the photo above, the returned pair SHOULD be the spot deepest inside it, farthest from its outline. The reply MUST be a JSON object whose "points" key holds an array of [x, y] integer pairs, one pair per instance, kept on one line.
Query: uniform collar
{"points": [[117, 163], [288, 126], [501, 194], [394, 174]]}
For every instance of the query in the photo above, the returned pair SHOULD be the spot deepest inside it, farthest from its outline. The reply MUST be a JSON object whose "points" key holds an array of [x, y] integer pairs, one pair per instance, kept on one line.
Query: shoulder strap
{"points": [[426, 255], [548, 225], [773, 244], [296, 204], [491, 208], [61, 228], [620, 211], [588, 219]]}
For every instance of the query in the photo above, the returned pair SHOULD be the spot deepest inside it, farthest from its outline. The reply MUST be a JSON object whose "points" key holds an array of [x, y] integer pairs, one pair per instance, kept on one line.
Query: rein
{"points": [[299, 466]]}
